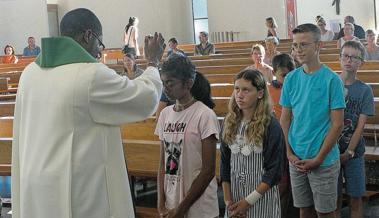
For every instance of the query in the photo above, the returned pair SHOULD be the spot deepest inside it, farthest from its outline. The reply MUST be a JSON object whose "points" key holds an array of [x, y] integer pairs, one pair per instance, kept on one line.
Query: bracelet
{"points": [[253, 197]]}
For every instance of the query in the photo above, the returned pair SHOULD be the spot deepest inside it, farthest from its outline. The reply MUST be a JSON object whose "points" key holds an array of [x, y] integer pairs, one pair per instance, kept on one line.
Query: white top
{"points": [[182, 132], [328, 36], [342, 41], [133, 35], [67, 154]]}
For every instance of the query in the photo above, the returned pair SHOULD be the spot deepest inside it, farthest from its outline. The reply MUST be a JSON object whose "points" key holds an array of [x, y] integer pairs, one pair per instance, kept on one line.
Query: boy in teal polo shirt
{"points": [[312, 119]]}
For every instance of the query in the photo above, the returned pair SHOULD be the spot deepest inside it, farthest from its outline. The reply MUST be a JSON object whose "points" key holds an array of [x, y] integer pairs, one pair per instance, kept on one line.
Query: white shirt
{"points": [[328, 36]]}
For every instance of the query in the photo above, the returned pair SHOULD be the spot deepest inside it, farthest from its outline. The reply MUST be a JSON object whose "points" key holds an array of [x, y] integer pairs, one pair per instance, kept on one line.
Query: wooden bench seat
{"points": [[3, 85], [142, 156], [221, 108], [146, 212]]}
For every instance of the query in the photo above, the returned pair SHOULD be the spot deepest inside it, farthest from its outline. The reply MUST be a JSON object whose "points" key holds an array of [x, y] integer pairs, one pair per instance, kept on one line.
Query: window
{"points": [[200, 18]]}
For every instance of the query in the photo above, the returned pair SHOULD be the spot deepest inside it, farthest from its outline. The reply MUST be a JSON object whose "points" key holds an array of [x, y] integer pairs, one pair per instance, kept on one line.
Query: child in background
{"points": [[282, 65]]}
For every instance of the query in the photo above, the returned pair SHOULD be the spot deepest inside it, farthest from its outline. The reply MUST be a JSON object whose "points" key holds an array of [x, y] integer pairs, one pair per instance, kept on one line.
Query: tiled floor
{"points": [[371, 209]]}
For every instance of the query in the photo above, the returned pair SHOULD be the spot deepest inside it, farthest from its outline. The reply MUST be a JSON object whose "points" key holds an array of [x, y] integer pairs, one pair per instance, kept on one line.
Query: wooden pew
{"points": [[3, 85], [14, 68], [142, 154], [222, 88], [12, 76], [7, 108], [249, 43], [116, 56], [371, 65]]}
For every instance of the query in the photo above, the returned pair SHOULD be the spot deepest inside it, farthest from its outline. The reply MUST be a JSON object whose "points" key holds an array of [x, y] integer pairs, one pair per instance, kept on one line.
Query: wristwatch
{"points": [[351, 153]]}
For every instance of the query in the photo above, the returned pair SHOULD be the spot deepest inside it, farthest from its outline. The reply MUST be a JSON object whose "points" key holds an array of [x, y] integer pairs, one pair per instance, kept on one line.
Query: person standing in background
{"points": [[271, 26], [131, 37]]}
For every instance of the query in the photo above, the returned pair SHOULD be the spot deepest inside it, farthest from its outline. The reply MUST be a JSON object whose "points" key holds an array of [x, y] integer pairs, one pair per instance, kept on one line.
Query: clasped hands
{"points": [[304, 166]]}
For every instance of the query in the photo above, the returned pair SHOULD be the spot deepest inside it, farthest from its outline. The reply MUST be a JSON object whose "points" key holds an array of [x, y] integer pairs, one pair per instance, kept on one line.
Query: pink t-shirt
{"points": [[181, 133]]}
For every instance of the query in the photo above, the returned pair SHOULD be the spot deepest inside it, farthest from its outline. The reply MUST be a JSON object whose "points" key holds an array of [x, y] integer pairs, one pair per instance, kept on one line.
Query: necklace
{"points": [[180, 107]]}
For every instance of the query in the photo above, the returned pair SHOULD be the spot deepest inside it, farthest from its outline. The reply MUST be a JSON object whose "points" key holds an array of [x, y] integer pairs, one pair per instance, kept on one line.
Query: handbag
{"points": [[129, 50]]}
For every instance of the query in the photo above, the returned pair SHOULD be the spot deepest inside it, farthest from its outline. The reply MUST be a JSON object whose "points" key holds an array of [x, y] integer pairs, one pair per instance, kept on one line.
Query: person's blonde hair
{"points": [[261, 117], [258, 47]]}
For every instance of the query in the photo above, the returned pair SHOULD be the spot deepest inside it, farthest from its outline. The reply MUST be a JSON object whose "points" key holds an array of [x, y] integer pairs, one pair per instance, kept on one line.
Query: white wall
{"points": [[362, 11], [170, 17], [20, 19], [246, 16]]}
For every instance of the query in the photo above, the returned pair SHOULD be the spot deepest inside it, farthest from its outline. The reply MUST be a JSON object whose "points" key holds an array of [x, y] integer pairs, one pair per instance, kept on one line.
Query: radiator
{"points": [[224, 36]]}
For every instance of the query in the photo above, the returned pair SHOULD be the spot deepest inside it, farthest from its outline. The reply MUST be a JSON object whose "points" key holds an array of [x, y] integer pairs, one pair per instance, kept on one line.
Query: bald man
{"points": [[67, 155]]}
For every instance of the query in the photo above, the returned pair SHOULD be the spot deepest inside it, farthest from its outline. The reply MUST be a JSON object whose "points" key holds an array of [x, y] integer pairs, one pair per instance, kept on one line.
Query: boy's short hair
{"points": [[308, 28], [283, 60], [173, 40], [355, 45]]}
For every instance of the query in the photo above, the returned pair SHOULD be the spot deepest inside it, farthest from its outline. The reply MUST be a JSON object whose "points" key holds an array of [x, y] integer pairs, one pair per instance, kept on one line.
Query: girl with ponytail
{"points": [[131, 37], [188, 131]]}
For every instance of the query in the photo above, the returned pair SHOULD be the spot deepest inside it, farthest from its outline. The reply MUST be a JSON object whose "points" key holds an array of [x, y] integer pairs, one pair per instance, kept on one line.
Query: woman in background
{"points": [[271, 26], [9, 57], [326, 35], [257, 55], [131, 69], [131, 37], [271, 45], [348, 30]]}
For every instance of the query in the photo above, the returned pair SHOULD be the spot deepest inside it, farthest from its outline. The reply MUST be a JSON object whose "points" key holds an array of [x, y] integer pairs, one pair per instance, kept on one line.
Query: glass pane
{"points": [[200, 9], [200, 25]]}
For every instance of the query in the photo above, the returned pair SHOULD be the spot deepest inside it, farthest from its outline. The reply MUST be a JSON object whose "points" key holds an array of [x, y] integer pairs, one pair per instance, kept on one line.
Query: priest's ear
{"points": [[87, 36]]}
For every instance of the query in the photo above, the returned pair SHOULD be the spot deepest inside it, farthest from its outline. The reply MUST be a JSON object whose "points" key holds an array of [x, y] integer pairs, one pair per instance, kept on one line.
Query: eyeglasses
{"points": [[301, 46], [101, 44], [346, 57]]}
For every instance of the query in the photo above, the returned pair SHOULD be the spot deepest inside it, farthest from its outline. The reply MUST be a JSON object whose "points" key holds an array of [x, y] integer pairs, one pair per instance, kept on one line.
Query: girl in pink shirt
{"points": [[188, 131]]}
